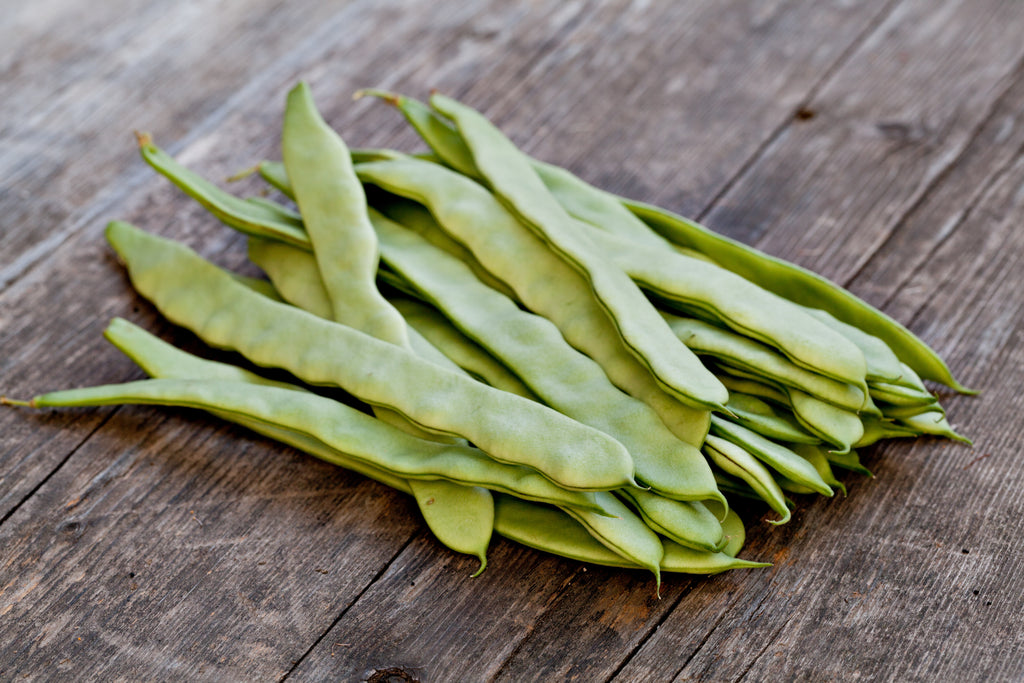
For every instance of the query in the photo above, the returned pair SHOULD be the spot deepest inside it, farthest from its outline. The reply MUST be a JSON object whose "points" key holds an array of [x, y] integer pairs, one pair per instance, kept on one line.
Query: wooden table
{"points": [[877, 142]]}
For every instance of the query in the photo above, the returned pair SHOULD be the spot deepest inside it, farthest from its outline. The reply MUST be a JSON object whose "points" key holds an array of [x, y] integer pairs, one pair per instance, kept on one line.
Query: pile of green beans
{"points": [[528, 354]]}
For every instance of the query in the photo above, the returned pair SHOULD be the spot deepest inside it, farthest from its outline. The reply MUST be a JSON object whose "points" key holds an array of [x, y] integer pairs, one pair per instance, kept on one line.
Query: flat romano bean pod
{"points": [[194, 293], [934, 423], [624, 533], [776, 456], [882, 362], [831, 424], [738, 304], [340, 427], [800, 286], [509, 175], [753, 356], [462, 350], [333, 208], [455, 524], [548, 529], [897, 394], [688, 523], [549, 287], [876, 429], [737, 462], [249, 217], [559, 375], [815, 455], [848, 461], [767, 420], [297, 276]]}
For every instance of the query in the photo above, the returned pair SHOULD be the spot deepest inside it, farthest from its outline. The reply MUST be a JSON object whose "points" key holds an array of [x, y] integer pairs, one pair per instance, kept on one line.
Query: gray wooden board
{"points": [[140, 544]]}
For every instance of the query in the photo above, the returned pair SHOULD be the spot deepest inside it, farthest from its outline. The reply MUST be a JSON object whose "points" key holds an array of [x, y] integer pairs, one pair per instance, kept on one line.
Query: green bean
{"points": [[828, 422], [646, 335], [737, 462], [439, 135], [766, 420], [816, 455], [900, 395], [466, 353], [734, 535], [264, 287], [776, 456], [549, 287], [734, 486], [848, 461], [624, 533], [876, 429], [932, 422], [688, 523], [755, 357], [193, 293], [336, 425], [739, 304], [800, 286], [834, 425], [333, 208], [249, 217], [546, 528], [753, 387], [882, 363]]}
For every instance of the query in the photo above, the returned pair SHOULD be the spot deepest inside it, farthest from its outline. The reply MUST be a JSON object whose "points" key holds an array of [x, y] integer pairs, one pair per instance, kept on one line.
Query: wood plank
{"points": [[885, 128], [79, 77], [165, 549], [513, 626]]}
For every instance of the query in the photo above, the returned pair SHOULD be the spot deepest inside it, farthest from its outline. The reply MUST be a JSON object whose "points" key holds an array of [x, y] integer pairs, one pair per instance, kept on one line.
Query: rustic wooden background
{"points": [[877, 142]]}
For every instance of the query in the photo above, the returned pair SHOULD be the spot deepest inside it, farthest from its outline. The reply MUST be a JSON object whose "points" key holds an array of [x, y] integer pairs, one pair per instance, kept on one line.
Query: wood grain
{"points": [[878, 142]]}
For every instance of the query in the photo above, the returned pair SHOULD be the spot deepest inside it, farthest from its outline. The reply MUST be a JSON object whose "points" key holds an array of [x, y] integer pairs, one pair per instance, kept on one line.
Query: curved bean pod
{"points": [[688, 523], [562, 377], [336, 425], [645, 334], [546, 528], [624, 533], [249, 217], [755, 357], [766, 420], [740, 305], [778, 457], [799, 285], [333, 208], [549, 287], [194, 293], [737, 462]]}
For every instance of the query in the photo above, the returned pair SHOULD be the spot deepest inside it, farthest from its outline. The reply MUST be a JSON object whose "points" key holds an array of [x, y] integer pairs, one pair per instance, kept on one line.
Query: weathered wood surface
{"points": [[878, 143]]}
